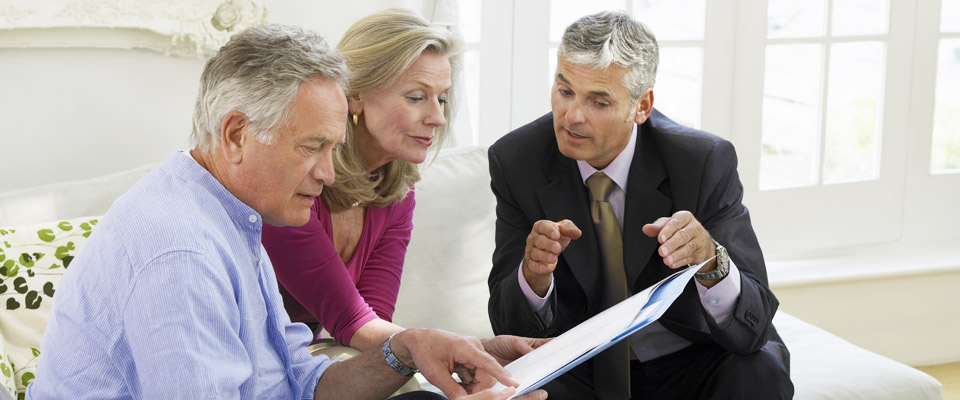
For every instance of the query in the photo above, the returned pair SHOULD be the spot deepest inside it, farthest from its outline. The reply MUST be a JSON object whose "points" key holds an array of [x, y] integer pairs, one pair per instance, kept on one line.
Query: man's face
{"points": [[593, 113], [282, 179]]}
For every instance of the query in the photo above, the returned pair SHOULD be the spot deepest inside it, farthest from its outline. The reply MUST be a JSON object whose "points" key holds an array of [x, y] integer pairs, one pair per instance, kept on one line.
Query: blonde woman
{"points": [[341, 271]]}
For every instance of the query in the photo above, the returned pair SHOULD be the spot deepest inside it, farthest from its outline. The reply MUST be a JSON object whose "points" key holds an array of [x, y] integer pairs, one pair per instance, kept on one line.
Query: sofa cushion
{"points": [[444, 282], [67, 200], [32, 261], [824, 366]]}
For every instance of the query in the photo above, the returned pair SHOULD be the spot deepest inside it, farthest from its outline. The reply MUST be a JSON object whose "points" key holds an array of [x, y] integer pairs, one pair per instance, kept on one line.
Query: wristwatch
{"points": [[393, 362], [723, 265]]}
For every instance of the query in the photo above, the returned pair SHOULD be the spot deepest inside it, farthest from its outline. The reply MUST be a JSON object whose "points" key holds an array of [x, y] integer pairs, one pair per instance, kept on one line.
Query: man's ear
{"points": [[644, 107], [233, 129]]}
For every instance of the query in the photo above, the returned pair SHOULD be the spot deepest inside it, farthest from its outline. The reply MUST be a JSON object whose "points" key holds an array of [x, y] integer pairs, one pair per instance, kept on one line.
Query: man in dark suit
{"points": [[562, 257]]}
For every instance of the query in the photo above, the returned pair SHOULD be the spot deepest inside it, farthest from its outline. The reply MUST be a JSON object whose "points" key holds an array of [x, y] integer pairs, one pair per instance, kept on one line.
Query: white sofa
{"points": [[444, 281]]}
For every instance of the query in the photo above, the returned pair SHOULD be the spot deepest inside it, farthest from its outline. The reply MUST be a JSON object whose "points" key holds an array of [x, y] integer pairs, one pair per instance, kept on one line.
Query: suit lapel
{"points": [[565, 197], [644, 204]]}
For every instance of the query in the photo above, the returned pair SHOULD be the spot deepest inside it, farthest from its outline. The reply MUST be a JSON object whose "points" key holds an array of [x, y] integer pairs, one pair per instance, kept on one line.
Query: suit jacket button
{"points": [[752, 318]]}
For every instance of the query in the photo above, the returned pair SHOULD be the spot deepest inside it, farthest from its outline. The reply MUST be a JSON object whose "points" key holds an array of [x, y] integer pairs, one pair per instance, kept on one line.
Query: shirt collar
{"points": [[618, 169], [182, 164]]}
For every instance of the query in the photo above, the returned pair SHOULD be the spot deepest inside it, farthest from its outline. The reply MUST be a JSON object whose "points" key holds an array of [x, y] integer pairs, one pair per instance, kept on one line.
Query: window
{"points": [[844, 113], [945, 157], [822, 90]]}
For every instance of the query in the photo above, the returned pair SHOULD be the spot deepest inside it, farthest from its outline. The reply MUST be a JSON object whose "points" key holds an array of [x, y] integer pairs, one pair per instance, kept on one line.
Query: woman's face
{"points": [[401, 120]]}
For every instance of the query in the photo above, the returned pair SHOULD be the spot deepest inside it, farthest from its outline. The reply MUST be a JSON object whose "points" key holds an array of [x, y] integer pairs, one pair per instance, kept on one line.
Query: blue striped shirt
{"points": [[173, 297]]}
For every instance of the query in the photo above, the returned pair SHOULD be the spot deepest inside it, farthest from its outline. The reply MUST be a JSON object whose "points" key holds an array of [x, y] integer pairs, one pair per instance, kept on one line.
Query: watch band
{"points": [[393, 362], [723, 265]]}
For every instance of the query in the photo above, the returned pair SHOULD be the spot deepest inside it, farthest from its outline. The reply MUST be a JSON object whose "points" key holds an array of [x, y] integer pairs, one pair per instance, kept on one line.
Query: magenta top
{"points": [[318, 286]]}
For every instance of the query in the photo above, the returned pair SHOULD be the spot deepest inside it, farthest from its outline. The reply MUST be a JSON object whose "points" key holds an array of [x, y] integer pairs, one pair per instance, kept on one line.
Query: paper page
{"points": [[595, 334]]}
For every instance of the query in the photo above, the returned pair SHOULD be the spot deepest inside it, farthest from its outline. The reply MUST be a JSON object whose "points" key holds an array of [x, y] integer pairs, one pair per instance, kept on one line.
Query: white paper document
{"points": [[596, 334]]}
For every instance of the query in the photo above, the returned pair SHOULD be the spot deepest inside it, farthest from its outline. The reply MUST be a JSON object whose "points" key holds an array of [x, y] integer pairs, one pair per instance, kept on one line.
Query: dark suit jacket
{"points": [[674, 168]]}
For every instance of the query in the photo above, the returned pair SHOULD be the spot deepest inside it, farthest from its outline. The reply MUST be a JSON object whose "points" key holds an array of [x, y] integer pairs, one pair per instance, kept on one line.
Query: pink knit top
{"points": [[318, 286]]}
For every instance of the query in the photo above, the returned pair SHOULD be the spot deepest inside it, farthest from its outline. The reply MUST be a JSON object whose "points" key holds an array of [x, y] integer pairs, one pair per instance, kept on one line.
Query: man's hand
{"points": [[491, 394], [545, 242], [506, 348], [683, 241], [438, 354]]}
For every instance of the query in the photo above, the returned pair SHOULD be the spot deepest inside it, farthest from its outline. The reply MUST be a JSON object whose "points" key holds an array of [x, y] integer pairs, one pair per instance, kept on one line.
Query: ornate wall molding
{"points": [[186, 28]]}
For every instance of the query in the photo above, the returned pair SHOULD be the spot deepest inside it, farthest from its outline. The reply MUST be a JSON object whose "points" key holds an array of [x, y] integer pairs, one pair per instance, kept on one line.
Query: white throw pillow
{"points": [[444, 282], [33, 258]]}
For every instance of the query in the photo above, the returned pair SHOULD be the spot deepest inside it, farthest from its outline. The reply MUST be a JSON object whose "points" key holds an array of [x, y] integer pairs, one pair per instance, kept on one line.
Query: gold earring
{"points": [[356, 119]]}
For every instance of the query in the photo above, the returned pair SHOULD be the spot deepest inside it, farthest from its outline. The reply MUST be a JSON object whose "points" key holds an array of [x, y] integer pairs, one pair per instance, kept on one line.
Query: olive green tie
{"points": [[611, 368]]}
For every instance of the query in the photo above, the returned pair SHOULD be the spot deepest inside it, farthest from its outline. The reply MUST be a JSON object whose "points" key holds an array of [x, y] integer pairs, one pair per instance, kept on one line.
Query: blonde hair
{"points": [[378, 49]]}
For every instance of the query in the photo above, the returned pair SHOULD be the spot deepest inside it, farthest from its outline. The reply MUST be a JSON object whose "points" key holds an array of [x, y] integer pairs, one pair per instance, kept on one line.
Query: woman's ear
{"points": [[354, 104], [232, 135]]}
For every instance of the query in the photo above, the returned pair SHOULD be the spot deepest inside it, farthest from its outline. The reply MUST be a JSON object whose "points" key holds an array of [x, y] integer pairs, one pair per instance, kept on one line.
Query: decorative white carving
{"points": [[187, 28]]}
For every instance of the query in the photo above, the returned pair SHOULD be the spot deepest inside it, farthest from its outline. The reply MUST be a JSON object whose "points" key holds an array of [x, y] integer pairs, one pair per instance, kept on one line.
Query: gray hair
{"points": [[608, 37], [258, 72]]}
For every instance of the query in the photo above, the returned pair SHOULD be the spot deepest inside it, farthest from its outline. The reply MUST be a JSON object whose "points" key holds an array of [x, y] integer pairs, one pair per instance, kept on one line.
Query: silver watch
{"points": [[395, 363], [723, 265]]}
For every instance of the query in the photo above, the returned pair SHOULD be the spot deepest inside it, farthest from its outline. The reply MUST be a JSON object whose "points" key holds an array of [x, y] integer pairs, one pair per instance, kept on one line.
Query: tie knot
{"points": [[600, 186]]}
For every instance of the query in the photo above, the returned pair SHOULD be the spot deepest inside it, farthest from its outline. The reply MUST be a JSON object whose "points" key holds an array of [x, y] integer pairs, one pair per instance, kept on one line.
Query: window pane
{"points": [[564, 12], [552, 53], [471, 77], [792, 18], [946, 114], [673, 19], [790, 138], [677, 91], [470, 20], [853, 96], [859, 17], [950, 16]]}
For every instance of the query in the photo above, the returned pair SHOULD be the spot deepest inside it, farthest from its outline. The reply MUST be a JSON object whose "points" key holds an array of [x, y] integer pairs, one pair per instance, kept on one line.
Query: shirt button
{"points": [[253, 218], [713, 302], [260, 263]]}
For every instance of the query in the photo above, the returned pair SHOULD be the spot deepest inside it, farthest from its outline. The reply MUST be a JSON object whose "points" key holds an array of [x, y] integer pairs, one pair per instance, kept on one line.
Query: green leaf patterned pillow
{"points": [[6, 371], [32, 261]]}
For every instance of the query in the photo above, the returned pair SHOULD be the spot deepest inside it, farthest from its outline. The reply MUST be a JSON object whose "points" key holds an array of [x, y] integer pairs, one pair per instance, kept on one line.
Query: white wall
{"points": [[75, 113]]}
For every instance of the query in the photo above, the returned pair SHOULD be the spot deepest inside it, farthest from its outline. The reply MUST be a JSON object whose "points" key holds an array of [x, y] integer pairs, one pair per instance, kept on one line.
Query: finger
{"points": [[542, 257], [486, 363], [676, 222], [482, 381], [654, 228], [547, 228], [568, 229], [547, 244], [539, 394], [680, 238], [681, 257]]}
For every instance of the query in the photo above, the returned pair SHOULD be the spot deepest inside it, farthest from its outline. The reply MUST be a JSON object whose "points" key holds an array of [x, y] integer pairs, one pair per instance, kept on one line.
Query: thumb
{"points": [[442, 379], [540, 342], [491, 394]]}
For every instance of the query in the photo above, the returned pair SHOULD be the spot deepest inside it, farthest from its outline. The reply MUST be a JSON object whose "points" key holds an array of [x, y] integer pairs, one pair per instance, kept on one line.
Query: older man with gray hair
{"points": [[175, 298], [606, 196]]}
